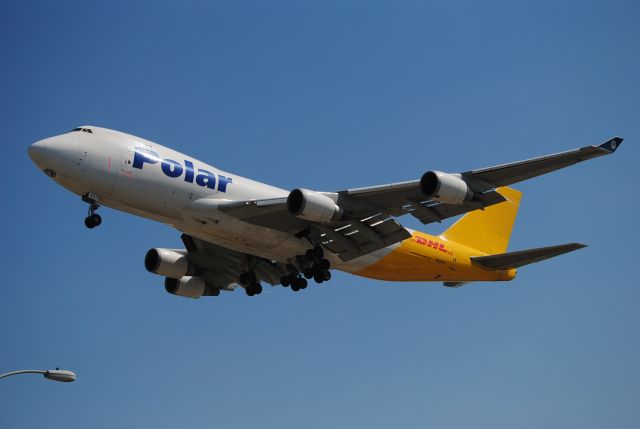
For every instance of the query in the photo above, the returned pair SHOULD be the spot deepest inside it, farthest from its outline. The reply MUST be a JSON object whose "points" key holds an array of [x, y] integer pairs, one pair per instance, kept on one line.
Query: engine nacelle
{"points": [[168, 263], [445, 187], [313, 206], [189, 287]]}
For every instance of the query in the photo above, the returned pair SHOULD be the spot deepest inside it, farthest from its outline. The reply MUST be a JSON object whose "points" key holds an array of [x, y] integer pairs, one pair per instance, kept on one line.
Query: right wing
{"points": [[401, 198], [366, 215]]}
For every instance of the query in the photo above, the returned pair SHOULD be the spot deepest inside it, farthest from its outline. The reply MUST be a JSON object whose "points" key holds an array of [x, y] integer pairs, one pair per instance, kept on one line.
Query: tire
{"points": [[326, 275], [88, 222], [308, 273], [96, 219], [299, 283]]}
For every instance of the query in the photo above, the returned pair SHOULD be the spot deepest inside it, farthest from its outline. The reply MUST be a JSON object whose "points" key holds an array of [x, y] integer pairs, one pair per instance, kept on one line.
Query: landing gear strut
{"points": [[93, 219], [319, 269]]}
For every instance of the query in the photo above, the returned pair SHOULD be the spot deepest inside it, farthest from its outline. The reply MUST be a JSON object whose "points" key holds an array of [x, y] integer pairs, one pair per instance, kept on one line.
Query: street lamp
{"points": [[52, 374]]}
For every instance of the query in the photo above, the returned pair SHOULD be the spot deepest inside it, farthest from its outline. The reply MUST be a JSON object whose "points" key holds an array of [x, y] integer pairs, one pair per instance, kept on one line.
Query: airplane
{"points": [[241, 233]]}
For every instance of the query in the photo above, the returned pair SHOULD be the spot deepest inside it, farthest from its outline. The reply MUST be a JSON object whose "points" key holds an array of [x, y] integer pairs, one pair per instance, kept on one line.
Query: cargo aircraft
{"points": [[239, 232]]}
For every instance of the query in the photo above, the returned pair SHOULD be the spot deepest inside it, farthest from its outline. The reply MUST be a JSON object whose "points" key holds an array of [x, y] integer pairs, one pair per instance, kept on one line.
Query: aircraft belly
{"points": [[227, 231]]}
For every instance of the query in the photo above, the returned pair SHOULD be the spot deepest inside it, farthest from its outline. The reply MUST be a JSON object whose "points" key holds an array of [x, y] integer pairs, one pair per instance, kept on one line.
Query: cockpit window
{"points": [[84, 130]]}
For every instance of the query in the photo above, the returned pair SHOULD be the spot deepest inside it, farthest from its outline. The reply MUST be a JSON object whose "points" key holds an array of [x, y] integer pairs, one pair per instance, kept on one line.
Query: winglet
{"points": [[612, 144]]}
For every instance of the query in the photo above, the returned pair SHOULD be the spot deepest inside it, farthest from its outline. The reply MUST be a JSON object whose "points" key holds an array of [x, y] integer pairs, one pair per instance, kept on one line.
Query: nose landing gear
{"points": [[93, 219]]}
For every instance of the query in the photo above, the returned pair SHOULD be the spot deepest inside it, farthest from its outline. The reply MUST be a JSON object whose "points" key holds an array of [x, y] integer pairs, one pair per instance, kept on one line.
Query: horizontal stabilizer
{"points": [[505, 261]]}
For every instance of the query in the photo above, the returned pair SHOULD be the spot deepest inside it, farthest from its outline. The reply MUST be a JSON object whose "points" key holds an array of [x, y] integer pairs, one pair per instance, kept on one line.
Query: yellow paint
{"points": [[424, 257], [487, 230]]}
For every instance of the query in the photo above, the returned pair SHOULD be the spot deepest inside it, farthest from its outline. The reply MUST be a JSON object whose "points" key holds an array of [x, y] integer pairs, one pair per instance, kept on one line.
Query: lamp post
{"points": [[52, 374]]}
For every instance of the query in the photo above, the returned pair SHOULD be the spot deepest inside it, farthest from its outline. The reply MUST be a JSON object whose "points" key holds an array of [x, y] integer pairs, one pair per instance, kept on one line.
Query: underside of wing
{"points": [[223, 268], [348, 237]]}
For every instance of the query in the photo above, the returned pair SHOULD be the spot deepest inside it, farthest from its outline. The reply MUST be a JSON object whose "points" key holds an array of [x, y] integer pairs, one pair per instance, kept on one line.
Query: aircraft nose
{"points": [[37, 152]]}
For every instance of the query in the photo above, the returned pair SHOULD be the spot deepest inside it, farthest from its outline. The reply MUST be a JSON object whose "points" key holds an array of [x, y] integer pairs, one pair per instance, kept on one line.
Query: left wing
{"points": [[358, 221], [224, 268]]}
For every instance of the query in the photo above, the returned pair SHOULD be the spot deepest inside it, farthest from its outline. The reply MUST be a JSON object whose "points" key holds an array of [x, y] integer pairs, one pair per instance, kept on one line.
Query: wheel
{"points": [[249, 291], [324, 264], [308, 272], [294, 287], [319, 278], [299, 283], [326, 275], [92, 221], [285, 281], [258, 289]]}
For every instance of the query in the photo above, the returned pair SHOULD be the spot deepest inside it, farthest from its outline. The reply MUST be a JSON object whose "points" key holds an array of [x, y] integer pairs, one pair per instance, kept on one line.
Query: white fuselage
{"points": [[140, 177]]}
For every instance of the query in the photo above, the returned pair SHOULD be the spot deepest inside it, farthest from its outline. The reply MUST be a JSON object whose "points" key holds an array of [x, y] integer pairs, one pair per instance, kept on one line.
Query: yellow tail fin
{"points": [[487, 230]]}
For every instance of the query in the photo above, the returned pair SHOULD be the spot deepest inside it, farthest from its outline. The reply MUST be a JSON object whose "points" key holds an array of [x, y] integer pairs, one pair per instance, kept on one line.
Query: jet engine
{"points": [[189, 287], [313, 206], [444, 187], [168, 263]]}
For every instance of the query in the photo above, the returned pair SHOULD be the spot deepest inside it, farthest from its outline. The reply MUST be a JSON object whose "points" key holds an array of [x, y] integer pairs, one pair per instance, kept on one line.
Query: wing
{"points": [[366, 215], [408, 197], [223, 268]]}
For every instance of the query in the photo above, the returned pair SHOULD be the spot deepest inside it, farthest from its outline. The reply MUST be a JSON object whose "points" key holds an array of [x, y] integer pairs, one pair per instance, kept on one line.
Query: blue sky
{"points": [[324, 95]]}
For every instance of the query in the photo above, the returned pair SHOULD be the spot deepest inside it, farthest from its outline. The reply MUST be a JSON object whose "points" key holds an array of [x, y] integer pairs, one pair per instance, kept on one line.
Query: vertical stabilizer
{"points": [[487, 230]]}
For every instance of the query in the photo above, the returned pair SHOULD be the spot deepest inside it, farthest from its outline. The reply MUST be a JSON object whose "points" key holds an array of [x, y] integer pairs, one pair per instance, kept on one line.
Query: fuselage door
{"points": [[126, 161]]}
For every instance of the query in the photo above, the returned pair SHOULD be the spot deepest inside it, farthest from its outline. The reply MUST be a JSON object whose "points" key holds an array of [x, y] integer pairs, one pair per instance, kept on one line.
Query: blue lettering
{"points": [[188, 171], [171, 168], [140, 156], [206, 178], [175, 169], [223, 182]]}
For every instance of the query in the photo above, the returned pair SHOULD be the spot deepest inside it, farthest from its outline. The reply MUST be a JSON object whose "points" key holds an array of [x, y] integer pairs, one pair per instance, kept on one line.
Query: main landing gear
{"points": [[251, 284], [311, 265], [317, 268], [295, 280], [93, 219]]}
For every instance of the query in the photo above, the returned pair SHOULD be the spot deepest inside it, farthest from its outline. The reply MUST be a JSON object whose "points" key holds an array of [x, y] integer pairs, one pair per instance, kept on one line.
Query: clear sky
{"points": [[324, 95]]}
